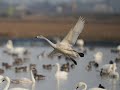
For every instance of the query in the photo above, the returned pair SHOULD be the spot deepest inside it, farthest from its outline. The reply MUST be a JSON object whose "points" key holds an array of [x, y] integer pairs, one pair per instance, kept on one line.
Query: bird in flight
{"points": [[65, 47]]}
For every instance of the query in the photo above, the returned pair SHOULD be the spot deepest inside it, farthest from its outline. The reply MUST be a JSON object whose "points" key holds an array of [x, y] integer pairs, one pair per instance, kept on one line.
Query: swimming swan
{"points": [[15, 50], [23, 80], [61, 74], [84, 86], [65, 46], [107, 69], [2, 78]]}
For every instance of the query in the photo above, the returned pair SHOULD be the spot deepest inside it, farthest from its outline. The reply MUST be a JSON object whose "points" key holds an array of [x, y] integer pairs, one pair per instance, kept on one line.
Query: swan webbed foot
{"points": [[81, 54]]}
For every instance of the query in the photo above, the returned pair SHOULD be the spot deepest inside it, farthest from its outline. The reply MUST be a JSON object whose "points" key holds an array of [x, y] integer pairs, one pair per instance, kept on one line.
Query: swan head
{"points": [[81, 85], [1, 79], [40, 36]]}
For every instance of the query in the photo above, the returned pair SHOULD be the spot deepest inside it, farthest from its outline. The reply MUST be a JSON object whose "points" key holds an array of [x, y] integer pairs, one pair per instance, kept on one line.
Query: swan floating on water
{"points": [[62, 75], [98, 57], [80, 43], [15, 50], [24, 80], [65, 46], [5, 78], [84, 86], [108, 69]]}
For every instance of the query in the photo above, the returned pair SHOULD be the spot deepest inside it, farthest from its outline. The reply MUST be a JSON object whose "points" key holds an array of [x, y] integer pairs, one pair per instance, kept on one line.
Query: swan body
{"points": [[15, 50], [22, 81], [65, 46], [108, 69], [118, 48], [2, 78], [80, 43], [62, 75], [114, 74], [84, 85], [98, 57]]}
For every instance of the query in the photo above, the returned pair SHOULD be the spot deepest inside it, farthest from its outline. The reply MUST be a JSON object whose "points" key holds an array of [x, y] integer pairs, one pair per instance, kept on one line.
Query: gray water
{"points": [[79, 73]]}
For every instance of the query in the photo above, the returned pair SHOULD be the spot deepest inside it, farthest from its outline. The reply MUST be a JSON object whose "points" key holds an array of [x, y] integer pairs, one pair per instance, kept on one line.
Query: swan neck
{"points": [[8, 83], [85, 87], [32, 77], [114, 67], [58, 68], [52, 44], [33, 86]]}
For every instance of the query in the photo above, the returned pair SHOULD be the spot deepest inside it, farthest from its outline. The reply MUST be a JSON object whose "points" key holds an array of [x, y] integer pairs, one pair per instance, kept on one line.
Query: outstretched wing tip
{"points": [[82, 19]]}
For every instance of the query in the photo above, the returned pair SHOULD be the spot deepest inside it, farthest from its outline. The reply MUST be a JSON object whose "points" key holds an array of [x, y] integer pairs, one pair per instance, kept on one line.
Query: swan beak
{"points": [[3, 80], [77, 88]]}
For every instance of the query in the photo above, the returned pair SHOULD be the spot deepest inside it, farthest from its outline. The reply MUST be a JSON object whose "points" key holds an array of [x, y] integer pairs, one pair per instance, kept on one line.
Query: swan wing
{"points": [[73, 34], [54, 52]]}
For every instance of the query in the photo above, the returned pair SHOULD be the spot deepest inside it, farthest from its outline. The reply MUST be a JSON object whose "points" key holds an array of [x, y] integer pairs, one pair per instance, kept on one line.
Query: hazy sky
{"points": [[112, 5]]}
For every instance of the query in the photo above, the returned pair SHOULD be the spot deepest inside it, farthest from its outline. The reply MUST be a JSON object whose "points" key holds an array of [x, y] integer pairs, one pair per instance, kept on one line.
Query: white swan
{"points": [[114, 75], [61, 74], [24, 80], [108, 68], [84, 87], [98, 56], [8, 83], [65, 46], [118, 48], [15, 50], [80, 43]]}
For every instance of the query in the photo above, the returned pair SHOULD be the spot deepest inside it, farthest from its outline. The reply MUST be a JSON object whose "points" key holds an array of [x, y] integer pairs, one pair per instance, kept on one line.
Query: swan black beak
{"points": [[77, 88], [3, 80], [81, 54]]}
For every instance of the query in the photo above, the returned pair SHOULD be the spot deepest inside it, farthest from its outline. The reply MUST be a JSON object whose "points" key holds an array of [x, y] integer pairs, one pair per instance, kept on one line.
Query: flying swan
{"points": [[65, 47]]}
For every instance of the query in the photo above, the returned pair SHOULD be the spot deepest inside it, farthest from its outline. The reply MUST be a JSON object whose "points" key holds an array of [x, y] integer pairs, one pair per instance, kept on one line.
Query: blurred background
{"points": [[28, 18], [22, 20]]}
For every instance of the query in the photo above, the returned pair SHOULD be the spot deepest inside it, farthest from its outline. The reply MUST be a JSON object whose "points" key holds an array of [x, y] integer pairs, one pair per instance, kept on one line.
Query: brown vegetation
{"points": [[94, 30]]}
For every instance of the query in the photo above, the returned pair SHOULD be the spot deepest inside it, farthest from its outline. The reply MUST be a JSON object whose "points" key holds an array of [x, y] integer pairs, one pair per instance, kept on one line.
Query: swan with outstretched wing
{"points": [[65, 46]]}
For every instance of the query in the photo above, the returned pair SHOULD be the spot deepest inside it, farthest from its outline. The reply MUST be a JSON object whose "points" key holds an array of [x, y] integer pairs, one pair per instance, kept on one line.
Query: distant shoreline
{"points": [[95, 29]]}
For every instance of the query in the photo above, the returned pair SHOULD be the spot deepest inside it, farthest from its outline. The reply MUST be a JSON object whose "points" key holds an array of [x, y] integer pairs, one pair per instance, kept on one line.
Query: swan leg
{"points": [[73, 60]]}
